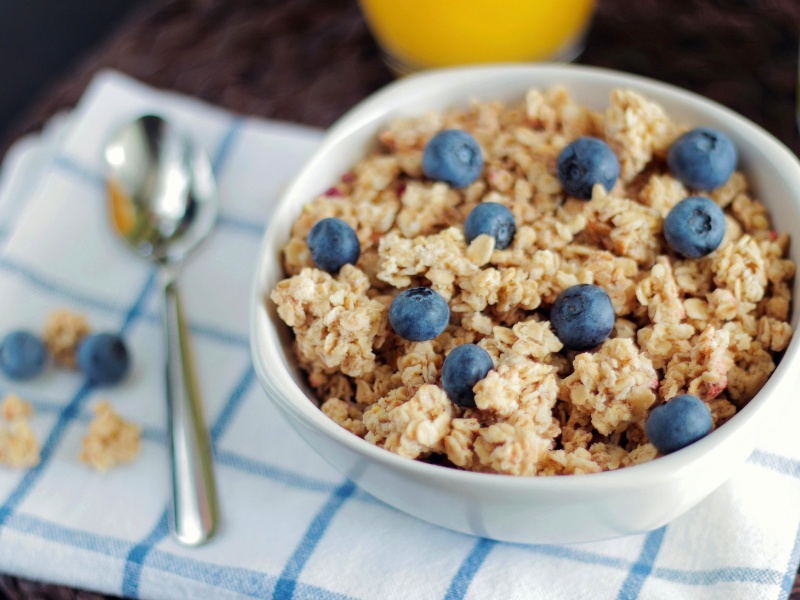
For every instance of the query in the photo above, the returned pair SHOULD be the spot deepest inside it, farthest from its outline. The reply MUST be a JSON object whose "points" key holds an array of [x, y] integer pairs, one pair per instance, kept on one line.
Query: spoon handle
{"points": [[194, 496]]}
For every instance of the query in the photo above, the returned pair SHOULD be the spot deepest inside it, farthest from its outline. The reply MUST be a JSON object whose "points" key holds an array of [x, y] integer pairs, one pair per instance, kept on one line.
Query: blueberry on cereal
{"points": [[465, 366], [22, 355], [702, 158], [419, 314], [452, 156], [103, 358], [582, 316], [678, 423], [333, 244], [694, 227], [584, 163], [492, 219]]}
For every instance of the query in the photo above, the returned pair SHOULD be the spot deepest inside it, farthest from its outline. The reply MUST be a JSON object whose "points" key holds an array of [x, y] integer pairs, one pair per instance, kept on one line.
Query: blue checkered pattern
{"points": [[294, 528]]}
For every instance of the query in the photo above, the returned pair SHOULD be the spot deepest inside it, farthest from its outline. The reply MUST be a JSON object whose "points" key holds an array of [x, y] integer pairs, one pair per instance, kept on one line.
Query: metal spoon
{"points": [[163, 202]]}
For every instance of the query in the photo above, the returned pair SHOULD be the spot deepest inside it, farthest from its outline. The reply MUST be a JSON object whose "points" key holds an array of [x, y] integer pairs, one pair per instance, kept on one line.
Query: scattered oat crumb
{"points": [[110, 440], [19, 447], [15, 408], [63, 331]]}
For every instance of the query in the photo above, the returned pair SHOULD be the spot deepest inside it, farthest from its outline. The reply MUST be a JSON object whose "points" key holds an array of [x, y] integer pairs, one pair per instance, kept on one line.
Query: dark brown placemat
{"points": [[310, 60]]}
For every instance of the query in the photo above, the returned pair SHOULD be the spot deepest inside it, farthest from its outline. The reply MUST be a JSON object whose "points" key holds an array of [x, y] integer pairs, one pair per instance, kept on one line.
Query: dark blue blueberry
{"points": [[464, 367], [678, 423], [333, 244], [453, 156], [694, 227], [419, 314], [103, 358], [492, 219], [585, 162], [582, 316], [22, 355], [702, 158]]}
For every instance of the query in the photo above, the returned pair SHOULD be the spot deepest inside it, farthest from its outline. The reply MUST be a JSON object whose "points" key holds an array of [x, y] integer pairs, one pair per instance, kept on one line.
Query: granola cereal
{"points": [[63, 331], [110, 439], [19, 447], [714, 327]]}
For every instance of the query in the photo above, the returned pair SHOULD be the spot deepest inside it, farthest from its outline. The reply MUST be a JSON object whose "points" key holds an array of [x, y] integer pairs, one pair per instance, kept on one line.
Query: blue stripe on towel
{"points": [[643, 566], [468, 569], [791, 569], [61, 290], [236, 579], [287, 582], [136, 556], [249, 582], [775, 462]]}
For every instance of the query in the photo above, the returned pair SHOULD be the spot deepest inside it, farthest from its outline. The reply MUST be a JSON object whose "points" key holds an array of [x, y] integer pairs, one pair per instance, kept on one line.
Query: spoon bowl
{"points": [[162, 193], [163, 203]]}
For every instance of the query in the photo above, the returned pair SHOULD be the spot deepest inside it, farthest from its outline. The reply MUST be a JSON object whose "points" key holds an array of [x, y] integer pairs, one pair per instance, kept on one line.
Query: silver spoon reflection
{"points": [[163, 203]]}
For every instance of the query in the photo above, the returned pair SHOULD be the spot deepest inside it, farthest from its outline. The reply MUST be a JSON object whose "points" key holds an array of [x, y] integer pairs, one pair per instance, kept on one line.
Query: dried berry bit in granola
{"points": [[694, 227], [63, 331], [333, 244], [703, 370], [678, 423], [702, 158], [22, 355], [492, 219], [110, 439], [419, 314], [582, 316], [464, 367], [585, 163]]}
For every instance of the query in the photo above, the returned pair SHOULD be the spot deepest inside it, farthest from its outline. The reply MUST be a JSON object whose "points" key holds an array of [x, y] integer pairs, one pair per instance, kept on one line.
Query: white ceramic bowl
{"points": [[575, 508]]}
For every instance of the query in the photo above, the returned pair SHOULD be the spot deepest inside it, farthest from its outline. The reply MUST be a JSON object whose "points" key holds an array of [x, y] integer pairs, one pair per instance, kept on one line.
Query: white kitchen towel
{"points": [[293, 527]]}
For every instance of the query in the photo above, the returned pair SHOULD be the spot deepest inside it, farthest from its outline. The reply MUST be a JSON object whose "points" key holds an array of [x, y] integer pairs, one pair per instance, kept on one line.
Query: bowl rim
{"points": [[672, 465]]}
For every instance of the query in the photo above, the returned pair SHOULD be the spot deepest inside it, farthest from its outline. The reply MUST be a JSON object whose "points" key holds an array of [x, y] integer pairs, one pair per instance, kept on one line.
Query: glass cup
{"points": [[420, 34]]}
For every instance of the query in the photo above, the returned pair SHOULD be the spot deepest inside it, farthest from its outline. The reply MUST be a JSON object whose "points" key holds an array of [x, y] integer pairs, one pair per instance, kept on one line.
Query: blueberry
{"points": [[492, 219], [678, 423], [103, 358], [585, 162], [333, 244], [694, 227], [464, 367], [22, 355], [453, 156], [582, 316], [419, 314], [702, 158]]}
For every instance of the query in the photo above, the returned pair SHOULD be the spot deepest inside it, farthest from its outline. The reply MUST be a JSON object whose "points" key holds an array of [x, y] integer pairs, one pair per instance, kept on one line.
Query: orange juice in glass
{"points": [[419, 34]]}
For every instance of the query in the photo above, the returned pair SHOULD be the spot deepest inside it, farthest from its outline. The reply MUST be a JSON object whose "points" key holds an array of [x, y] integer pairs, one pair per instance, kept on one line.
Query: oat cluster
{"points": [[713, 327], [110, 439], [63, 331], [19, 447]]}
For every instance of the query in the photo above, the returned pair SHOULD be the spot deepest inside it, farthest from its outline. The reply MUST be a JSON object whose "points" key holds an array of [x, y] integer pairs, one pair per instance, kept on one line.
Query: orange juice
{"points": [[438, 33]]}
